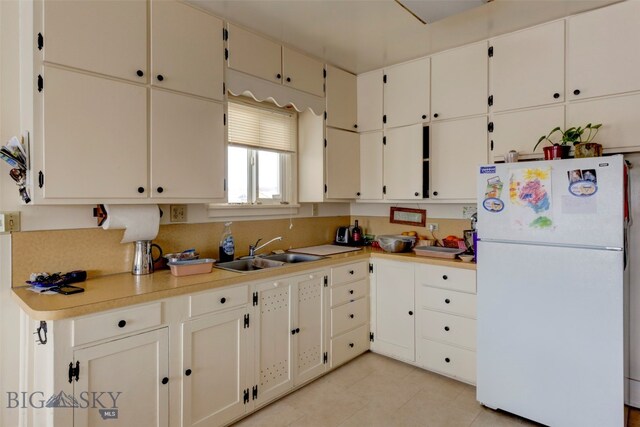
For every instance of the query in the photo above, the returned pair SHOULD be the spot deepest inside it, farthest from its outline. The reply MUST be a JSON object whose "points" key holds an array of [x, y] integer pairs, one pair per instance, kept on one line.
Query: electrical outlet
{"points": [[432, 227], [468, 211], [178, 213], [9, 221], [314, 209]]}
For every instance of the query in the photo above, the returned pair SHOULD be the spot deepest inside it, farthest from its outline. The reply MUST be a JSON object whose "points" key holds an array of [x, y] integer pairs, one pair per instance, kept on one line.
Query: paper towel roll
{"points": [[141, 222]]}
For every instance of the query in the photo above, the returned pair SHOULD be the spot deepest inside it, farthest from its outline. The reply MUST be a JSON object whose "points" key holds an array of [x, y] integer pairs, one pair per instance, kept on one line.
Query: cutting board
{"points": [[324, 250]]}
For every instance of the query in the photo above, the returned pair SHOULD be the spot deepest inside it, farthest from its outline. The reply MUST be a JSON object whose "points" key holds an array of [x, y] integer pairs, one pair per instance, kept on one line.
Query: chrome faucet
{"points": [[255, 248]]}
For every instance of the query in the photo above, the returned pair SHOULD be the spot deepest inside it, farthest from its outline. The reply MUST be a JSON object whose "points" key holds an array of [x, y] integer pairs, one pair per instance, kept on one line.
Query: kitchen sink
{"points": [[264, 262]]}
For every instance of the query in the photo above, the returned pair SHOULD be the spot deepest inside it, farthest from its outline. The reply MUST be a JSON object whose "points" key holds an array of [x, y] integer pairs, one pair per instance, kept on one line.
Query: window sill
{"points": [[225, 210]]}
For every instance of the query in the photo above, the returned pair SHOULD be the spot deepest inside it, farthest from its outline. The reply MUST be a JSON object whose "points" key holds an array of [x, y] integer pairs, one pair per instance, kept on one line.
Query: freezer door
{"points": [[550, 333], [584, 205]]}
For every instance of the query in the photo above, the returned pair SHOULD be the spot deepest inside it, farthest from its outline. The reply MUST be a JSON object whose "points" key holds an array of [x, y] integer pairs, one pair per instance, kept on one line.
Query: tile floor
{"points": [[374, 390]]}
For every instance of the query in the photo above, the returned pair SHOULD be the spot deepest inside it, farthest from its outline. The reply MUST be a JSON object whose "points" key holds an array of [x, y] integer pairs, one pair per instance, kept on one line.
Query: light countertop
{"points": [[121, 290]]}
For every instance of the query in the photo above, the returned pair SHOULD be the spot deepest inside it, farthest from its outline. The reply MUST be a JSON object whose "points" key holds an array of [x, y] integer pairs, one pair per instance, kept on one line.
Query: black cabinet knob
{"points": [[159, 189], [351, 316], [140, 190], [160, 77], [424, 116], [435, 115], [410, 313], [355, 126], [447, 301], [435, 193], [223, 300], [358, 194], [446, 359], [576, 92], [446, 328], [416, 194], [351, 291], [351, 344], [293, 332], [351, 272], [556, 95], [122, 324], [187, 372], [278, 76], [297, 330], [288, 79], [445, 277], [165, 380], [140, 73]]}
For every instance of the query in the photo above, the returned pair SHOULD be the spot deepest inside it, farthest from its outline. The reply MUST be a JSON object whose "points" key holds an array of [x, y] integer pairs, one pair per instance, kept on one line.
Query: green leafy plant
{"points": [[573, 135]]}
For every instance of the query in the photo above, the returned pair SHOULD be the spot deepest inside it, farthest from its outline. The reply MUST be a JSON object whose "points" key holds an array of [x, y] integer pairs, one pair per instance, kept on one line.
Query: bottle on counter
{"points": [[227, 247], [356, 234]]}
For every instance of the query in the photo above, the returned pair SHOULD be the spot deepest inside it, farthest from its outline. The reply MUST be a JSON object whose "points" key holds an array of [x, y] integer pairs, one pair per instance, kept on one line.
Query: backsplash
{"points": [[378, 225]]}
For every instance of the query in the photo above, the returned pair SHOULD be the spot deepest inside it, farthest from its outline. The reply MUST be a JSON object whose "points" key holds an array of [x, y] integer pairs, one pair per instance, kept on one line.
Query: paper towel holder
{"points": [[101, 213]]}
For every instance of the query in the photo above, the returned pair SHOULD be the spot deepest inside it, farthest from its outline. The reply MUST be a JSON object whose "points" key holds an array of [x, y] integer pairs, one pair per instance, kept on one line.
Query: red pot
{"points": [[556, 152]]}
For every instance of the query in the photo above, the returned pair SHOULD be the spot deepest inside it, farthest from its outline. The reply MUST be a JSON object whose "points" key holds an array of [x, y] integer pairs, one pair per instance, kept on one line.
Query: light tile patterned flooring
{"points": [[373, 391]]}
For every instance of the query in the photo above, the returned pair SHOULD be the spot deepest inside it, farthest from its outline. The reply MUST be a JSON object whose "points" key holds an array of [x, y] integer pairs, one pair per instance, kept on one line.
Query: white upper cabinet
{"points": [[520, 130], [370, 101], [602, 53], [406, 93], [254, 55], [302, 72], [457, 148], [371, 152], [186, 49], [403, 162], [343, 164], [106, 37], [341, 99], [527, 67], [187, 147], [459, 80]]}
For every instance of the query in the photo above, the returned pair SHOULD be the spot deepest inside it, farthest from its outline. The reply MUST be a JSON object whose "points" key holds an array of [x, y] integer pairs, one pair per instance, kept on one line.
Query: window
{"points": [[261, 153]]}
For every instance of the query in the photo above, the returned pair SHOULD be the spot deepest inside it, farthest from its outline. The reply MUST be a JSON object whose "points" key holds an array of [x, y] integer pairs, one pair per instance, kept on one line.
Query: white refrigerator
{"points": [[551, 290]]}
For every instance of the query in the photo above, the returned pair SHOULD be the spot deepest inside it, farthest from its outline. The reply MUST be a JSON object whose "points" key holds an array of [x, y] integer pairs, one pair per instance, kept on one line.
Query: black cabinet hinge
{"points": [[490, 126], [40, 41], [325, 115], [370, 267], [384, 189], [226, 53], [324, 73], [225, 34], [490, 52], [325, 357], [325, 143], [254, 392], [492, 145], [371, 337], [74, 372], [255, 298], [224, 88], [41, 332], [40, 179], [224, 119], [326, 281], [384, 140], [490, 100], [224, 185], [40, 83], [246, 321], [245, 396], [384, 78], [325, 188], [384, 119]]}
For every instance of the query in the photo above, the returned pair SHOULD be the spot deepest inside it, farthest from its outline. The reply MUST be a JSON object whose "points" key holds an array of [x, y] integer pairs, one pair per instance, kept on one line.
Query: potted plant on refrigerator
{"points": [[580, 137]]}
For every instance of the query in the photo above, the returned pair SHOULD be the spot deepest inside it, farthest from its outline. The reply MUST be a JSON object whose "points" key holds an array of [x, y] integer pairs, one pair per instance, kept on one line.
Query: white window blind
{"points": [[262, 127]]}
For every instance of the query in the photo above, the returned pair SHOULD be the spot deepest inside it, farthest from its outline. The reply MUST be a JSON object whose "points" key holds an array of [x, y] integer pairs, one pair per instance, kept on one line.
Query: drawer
{"points": [[447, 327], [116, 323], [448, 301], [349, 345], [349, 273], [349, 292], [453, 361], [208, 302], [457, 279], [349, 315]]}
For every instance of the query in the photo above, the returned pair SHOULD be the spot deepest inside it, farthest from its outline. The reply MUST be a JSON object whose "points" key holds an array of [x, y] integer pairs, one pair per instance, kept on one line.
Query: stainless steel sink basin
{"points": [[291, 258]]}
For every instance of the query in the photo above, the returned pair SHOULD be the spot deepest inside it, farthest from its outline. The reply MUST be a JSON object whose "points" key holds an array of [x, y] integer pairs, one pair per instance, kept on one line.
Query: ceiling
{"points": [[363, 35]]}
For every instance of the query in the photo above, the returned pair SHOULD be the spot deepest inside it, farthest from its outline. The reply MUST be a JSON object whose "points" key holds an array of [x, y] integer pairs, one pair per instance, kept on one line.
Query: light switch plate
{"points": [[9, 221]]}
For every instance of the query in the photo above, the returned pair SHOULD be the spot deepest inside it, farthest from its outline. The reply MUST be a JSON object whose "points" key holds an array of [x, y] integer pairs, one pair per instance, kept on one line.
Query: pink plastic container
{"points": [[196, 266]]}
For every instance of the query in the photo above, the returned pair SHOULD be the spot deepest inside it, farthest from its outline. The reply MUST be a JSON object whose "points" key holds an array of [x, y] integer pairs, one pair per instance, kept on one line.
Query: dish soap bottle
{"points": [[227, 247]]}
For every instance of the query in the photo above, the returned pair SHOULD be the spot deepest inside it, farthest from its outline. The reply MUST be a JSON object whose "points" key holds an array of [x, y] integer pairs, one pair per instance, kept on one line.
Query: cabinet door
{"points": [[81, 35], [186, 49], [187, 147], [521, 130], [370, 111], [394, 308], [406, 93], [341, 99], [457, 148], [310, 314], [603, 62], [527, 67], [343, 164], [95, 137], [127, 376], [302, 72], [619, 118], [254, 55], [459, 80], [215, 363], [371, 150], [274, 339], [403, 162]]}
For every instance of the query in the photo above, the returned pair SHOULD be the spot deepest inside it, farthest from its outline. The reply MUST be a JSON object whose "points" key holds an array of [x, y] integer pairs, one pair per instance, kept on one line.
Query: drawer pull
{"points": [[444, 277], [447, 301], [187, 372], [410, 313], [223, 300], [446, 328], [297, 330], [122, 323], [446, 359], [351, 291], [351, 316], [293, 332], [165, 380], [351, 344], [351, 272]]}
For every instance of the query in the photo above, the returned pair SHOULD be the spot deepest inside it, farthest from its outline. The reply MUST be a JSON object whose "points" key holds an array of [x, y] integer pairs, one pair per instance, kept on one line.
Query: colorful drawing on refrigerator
{"points": [[530, 198]]}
